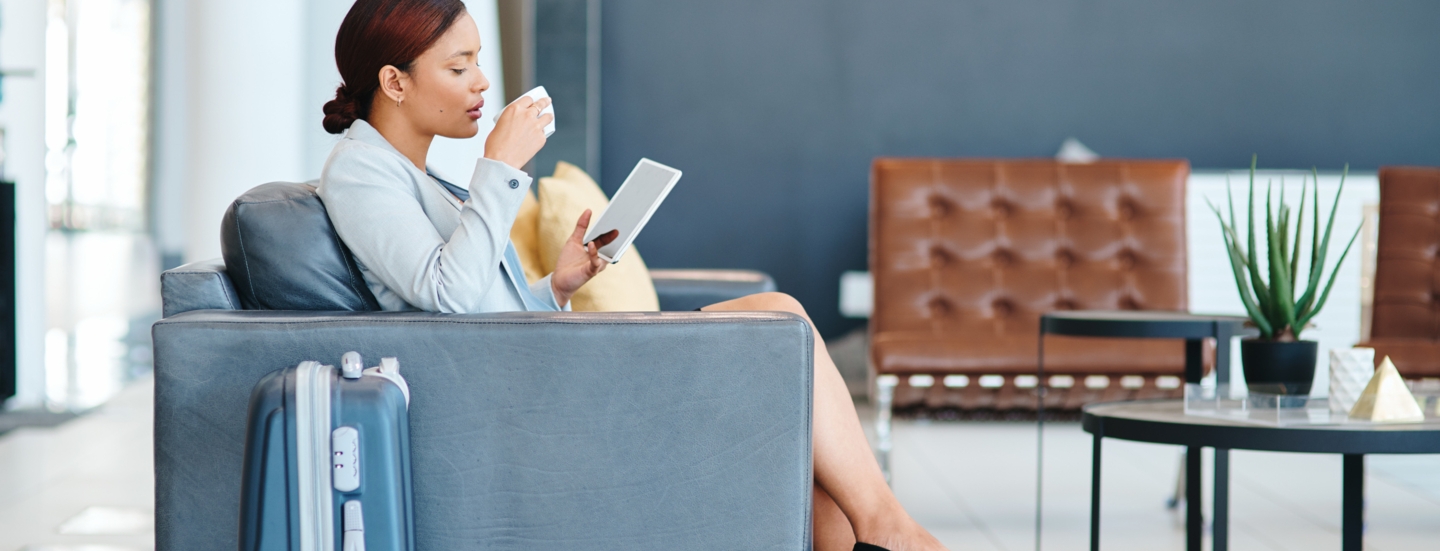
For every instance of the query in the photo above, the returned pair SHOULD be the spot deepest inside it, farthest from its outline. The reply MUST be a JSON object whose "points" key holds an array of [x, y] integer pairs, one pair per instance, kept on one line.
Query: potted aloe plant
{"points": [[1270, 275]]}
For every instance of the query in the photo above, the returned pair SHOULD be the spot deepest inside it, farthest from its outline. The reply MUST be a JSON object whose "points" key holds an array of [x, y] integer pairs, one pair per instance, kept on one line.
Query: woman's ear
{"points": [[394, 83]]}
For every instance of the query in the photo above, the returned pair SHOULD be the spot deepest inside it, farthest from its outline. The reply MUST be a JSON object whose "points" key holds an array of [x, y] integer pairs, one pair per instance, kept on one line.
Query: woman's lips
{"points": [[474, 112]]}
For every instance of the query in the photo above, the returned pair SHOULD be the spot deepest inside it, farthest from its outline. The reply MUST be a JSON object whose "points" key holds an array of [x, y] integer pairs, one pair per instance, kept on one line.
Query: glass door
{"points": [[101, 280]]}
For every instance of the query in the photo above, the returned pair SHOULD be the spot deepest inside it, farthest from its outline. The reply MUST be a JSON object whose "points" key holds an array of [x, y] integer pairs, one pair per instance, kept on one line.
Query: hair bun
{"points": [[340, 112]]}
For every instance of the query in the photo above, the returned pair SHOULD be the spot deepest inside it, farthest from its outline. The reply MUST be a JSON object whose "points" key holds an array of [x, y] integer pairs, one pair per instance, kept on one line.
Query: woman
{"points": [[410, 74]]}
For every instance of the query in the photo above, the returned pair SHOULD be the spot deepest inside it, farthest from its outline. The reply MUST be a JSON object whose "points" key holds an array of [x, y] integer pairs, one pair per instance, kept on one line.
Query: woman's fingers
{"points": [[607, 237], [580, 226], [542, 104], [523, 104]]}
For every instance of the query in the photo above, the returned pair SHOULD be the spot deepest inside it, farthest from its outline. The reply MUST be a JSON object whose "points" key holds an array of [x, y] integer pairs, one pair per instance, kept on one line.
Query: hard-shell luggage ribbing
{"points": [[327, 460]]}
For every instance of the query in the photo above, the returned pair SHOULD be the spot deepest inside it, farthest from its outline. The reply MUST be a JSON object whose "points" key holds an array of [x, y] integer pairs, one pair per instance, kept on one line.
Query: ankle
{"points": [[882, 525]]}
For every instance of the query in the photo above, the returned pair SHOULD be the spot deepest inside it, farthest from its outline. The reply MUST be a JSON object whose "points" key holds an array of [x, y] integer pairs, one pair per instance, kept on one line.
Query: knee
{"points": [[781, 302]]}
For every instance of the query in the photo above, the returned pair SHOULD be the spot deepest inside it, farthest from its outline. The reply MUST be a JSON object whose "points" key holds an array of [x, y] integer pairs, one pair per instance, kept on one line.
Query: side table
{"points": [[1144, 324], [1165, 422]]}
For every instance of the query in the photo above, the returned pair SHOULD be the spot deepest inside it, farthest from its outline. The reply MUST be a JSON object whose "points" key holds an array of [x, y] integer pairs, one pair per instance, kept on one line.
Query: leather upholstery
{"points": [[204, 285], [197, 286], [1405, 321], [968, 253], [528, 430], [282, 253], [685, 290]]}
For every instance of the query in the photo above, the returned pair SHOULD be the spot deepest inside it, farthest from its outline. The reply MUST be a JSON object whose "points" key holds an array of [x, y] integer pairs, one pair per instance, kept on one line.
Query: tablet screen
{"points": [[633, 204]]}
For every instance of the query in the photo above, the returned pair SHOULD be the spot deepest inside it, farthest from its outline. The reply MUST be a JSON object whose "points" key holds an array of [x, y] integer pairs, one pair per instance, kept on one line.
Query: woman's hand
{"points": [[520, 132], [578, 262]]}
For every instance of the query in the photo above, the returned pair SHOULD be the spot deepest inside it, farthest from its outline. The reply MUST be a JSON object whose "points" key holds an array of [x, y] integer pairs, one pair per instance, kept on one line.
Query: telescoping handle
{"points": [[354, 526]]}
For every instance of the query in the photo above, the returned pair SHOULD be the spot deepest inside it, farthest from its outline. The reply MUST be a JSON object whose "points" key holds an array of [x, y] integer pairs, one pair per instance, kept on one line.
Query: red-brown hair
{"points": [[377, 33]]}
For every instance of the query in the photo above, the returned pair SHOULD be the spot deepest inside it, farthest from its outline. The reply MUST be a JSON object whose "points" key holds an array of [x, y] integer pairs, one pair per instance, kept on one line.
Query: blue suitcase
{"points": [[327, 460]]}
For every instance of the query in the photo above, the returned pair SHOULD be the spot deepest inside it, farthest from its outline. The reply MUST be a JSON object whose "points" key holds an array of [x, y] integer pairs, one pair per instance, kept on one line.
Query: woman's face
{"points": [[445, 84]]}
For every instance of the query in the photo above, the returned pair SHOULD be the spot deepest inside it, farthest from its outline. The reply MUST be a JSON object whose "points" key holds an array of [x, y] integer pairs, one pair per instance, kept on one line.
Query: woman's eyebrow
{"points": [[461, 53]]}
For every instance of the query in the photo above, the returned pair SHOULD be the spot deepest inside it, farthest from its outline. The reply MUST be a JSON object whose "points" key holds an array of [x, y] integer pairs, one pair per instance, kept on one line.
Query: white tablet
{"points": [[643, 191]]}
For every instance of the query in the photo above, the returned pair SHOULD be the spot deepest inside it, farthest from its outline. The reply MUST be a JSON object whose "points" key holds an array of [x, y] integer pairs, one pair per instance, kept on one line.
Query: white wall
{"points": [[323, 19], [244, 107], [169, 131], [22, 47], [240, 86]]}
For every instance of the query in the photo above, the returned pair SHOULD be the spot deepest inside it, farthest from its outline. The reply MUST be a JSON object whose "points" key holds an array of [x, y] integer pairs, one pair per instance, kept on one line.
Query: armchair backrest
{"points": [[1407, 281], [282, 253], [984, 246]]}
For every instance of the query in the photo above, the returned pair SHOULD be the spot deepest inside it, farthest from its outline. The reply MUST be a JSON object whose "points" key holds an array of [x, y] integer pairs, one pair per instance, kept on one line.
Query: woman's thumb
{"points": [[581, 225]]}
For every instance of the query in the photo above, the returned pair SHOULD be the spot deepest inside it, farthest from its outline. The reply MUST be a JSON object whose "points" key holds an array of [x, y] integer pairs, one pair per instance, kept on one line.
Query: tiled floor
{"points": [[972, 484], [90, 475]]}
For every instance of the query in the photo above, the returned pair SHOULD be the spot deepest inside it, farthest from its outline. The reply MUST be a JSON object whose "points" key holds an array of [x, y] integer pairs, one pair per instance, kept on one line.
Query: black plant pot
{"points": [[1277, 367]]}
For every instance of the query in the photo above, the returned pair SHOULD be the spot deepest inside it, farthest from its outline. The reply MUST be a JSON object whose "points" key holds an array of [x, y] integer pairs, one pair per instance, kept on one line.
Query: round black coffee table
{"points": [[1165, 422], [1146, 324]]}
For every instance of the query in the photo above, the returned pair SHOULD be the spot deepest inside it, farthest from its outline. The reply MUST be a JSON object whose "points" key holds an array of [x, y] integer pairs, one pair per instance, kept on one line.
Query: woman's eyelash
{"points": [[460, 71]]}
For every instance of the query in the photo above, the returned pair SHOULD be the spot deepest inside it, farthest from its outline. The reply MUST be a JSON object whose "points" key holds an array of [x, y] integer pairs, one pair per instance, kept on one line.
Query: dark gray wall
{"points": [[567, 62], [774, 108]]}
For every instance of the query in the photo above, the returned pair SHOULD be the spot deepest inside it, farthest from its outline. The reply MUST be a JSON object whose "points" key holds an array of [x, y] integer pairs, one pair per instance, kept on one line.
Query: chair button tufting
{"points": [[514, 184], [1127, 210], [1064, 210], [1000, 208], [1064, 258], [1129, 303], [1127, 260], [1002, 308], [939, 256], [939, 307], [1002, 258], [939, 206]]}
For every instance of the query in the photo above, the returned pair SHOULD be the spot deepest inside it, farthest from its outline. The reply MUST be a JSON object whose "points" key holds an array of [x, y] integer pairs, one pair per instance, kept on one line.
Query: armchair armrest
{"points": [[201, 285], [528, 430], [686, 290]]}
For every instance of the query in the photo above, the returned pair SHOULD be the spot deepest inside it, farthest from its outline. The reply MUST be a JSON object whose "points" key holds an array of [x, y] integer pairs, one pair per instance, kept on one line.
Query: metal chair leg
{"points": [[1174, 501], [884, 400]]}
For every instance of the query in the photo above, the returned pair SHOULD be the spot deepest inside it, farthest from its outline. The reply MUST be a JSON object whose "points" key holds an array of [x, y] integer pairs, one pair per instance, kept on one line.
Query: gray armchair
{"points": [[669, 430]]}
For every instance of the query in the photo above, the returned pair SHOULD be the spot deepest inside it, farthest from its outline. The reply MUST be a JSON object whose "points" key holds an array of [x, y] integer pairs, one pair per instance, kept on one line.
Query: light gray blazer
{"points": [[417, 245]]}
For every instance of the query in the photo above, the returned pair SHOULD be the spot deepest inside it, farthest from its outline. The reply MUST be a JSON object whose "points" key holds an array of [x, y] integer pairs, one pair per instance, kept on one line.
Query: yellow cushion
{"points": [[525, 234], [622, 287]]}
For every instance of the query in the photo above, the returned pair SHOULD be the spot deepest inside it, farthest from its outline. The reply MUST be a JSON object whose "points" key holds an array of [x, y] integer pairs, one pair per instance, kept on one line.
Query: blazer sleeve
{"points": [[372, 202]]}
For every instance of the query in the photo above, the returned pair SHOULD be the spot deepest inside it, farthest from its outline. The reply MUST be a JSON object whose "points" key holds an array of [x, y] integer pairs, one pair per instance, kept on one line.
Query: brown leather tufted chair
{"points": [[1405, 322], [968, 253]]}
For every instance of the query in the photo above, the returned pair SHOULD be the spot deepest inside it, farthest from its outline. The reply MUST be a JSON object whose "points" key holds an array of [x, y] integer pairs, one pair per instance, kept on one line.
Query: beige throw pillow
{"points": [[622, 287]]}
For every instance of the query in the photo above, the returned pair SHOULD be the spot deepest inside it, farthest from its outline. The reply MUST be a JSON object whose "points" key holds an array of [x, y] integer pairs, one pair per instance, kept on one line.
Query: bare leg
{"points": [[845, 468], [832, 530]]}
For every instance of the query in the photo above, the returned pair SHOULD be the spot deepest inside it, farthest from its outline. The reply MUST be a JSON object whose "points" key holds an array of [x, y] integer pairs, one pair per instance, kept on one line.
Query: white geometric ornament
{"points": [[1386, 398], [1350, 371]]}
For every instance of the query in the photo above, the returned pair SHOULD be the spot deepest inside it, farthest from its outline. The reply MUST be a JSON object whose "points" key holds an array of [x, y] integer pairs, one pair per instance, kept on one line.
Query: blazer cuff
{"points": [[543, 291], [496, 180]]}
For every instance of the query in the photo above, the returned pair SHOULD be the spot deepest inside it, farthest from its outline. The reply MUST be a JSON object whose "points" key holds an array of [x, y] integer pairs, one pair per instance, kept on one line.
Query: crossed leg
{"points": [[852, 500]]}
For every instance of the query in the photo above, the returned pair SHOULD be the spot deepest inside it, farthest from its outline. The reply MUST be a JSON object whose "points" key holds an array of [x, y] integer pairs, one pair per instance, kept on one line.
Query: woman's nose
{"points": [[484, 83]]}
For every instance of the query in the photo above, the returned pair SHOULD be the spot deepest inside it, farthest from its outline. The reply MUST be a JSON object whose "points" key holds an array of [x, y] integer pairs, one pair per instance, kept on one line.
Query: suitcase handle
{"points": [[354, 526]]}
